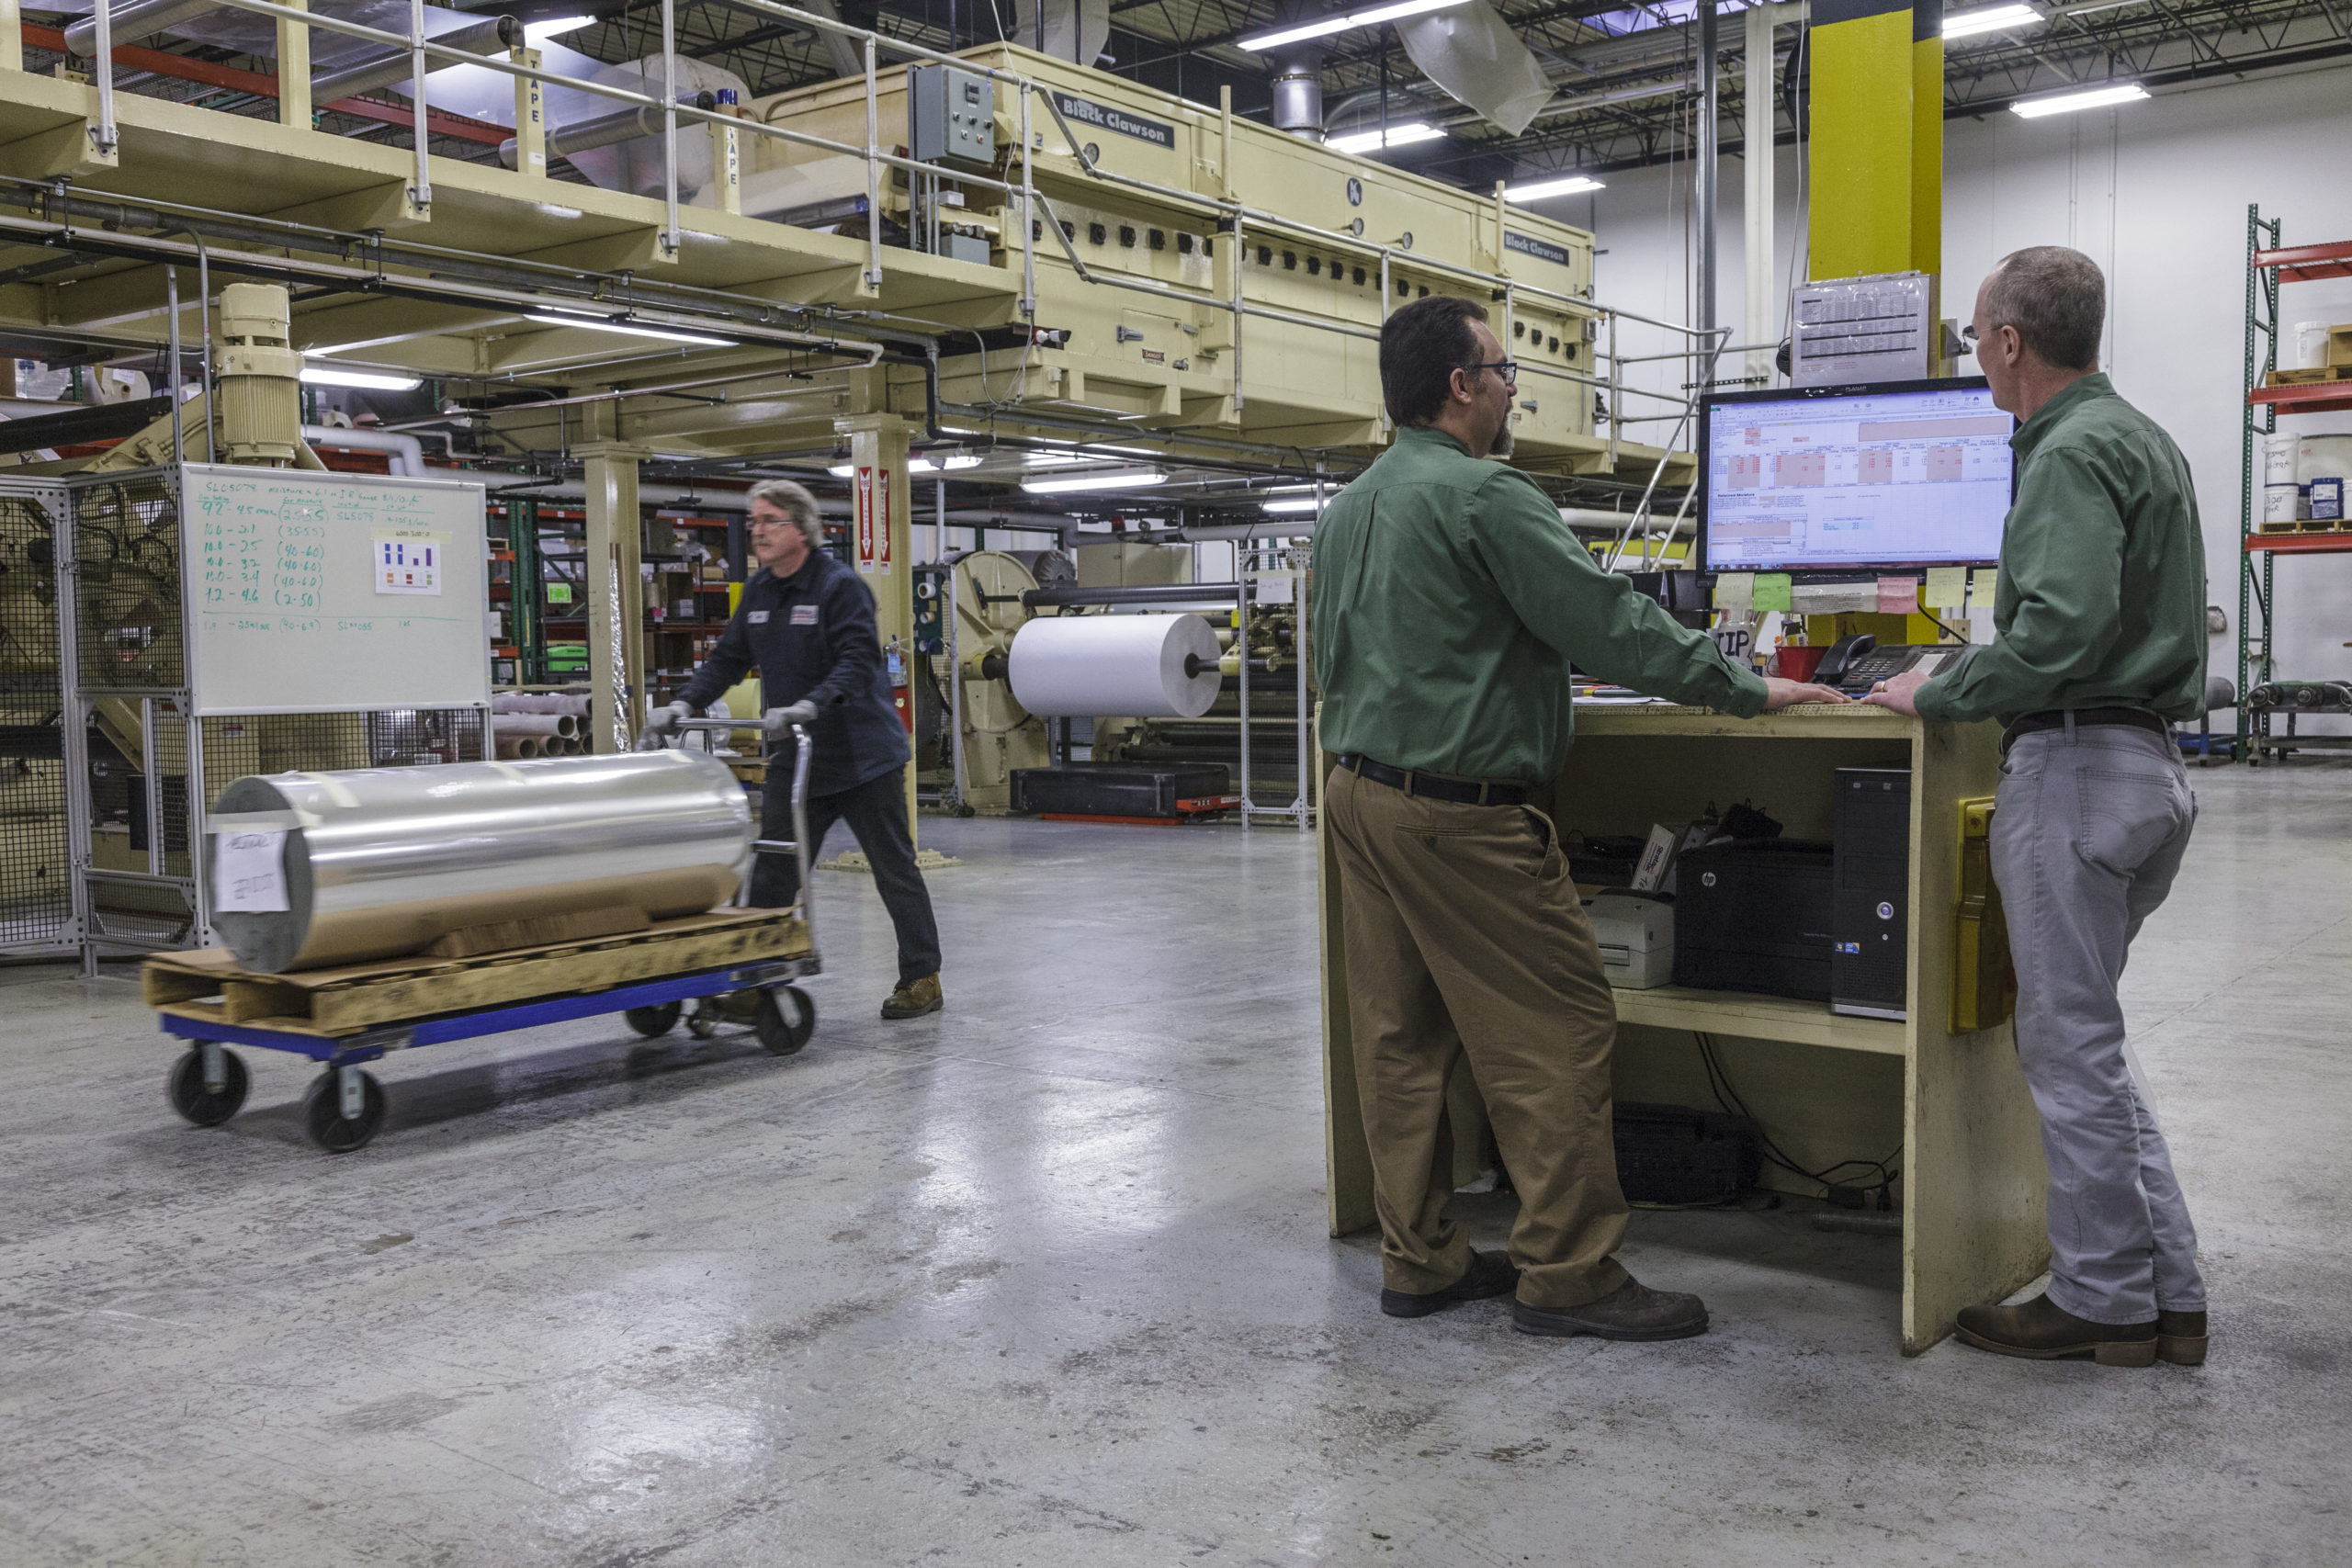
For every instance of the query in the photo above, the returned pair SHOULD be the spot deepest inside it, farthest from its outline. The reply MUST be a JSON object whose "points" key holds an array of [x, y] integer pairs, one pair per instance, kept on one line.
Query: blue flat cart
{"points": [[733, 966]]}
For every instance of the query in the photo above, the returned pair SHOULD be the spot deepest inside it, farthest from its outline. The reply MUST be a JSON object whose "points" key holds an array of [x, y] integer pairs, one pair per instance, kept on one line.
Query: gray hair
{"points": [[2056, 299], [796, 504]]}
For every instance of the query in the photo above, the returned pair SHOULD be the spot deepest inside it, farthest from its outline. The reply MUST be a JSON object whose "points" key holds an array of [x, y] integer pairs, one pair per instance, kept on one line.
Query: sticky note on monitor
{"points": [[1771, 590], [1986, 592], [1735, 592], [1947, 586], [1898, 595]]}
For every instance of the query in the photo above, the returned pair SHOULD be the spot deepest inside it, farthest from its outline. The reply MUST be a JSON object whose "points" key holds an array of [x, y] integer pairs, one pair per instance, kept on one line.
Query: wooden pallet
{"points": [[355, 997]]}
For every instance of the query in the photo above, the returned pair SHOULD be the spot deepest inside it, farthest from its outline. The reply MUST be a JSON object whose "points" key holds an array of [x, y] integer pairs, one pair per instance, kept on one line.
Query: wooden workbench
{"points": [[1827, 1087]]}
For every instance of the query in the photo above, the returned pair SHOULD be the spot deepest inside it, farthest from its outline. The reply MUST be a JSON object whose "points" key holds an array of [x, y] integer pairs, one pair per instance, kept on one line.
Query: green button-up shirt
{"points": [[2102, 594], [1447, 602]]}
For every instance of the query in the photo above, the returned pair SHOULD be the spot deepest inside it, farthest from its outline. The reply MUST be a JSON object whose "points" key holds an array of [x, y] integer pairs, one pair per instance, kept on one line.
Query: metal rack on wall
{"points": [[2262, 695]]}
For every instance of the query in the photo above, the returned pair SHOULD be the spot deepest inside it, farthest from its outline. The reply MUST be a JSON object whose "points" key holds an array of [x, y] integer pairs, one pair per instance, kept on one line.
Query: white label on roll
{"points": [[249, 874], [1115, 666]]}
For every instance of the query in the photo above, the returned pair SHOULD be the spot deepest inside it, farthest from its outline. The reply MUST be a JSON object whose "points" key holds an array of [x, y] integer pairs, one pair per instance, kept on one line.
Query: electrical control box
{"points": [[951, 116]]}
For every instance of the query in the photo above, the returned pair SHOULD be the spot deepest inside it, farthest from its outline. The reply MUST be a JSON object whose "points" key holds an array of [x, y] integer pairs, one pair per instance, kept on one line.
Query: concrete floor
{"points": [[1042, 1279]]}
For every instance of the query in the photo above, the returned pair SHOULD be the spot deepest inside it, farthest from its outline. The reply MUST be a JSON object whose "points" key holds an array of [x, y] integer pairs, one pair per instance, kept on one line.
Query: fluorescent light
{"points": [[1051, 459], [1128, 479], [597, 324], [325, 376], [1366, 18], [1991, 19], [1304, 504], [1574, 184], [914, 465], [2067, 103], [1398, 136], [554, 27]]}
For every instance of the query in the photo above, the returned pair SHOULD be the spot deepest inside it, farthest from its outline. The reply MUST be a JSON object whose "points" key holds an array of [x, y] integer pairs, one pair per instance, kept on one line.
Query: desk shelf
{"points": [[1749, 1016]]}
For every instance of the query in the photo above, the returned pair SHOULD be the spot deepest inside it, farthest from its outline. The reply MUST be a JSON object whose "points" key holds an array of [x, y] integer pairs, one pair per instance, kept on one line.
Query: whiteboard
{"points": [[310, 593]]}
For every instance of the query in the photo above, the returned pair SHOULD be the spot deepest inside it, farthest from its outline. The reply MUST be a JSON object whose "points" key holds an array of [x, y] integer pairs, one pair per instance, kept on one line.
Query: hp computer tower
{"points": [[1868, 964]]}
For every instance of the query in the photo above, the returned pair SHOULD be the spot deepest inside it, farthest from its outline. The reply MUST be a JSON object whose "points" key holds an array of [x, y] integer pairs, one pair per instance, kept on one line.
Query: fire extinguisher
{"points": [[900, 697]]}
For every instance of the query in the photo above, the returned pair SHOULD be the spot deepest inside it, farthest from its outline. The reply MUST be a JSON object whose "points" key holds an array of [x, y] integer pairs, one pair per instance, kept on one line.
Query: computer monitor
{"points": [[1825, 478]]}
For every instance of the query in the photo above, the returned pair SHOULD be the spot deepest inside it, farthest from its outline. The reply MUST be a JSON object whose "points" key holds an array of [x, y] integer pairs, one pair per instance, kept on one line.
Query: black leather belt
{"points": [[2056, 718], [1464, 792]]}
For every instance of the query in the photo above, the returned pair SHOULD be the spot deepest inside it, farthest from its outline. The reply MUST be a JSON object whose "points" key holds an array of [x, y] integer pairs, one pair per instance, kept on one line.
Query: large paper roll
{"points": [[1125, 666]]}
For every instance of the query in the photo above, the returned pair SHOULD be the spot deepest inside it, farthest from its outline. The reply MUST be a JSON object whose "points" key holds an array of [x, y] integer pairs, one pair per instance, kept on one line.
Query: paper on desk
{"points": [[1985, 590], [1898, 595], [1735, 592], [1771, 590], [1947, 586], [1833, 598], [249, 874]]}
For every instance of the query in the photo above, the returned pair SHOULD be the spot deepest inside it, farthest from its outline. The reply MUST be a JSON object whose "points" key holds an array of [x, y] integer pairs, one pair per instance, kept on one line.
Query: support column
{"points": [[1862, 118], [1927, 163], [615, 595], [12, 36], [881, 546], [1706, 199], [1763, 324], [530, 116], [726, 157], [293, 69]]}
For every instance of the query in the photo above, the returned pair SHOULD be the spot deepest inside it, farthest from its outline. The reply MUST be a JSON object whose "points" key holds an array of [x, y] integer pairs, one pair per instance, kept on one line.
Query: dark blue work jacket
{"points": [[811, 635]]}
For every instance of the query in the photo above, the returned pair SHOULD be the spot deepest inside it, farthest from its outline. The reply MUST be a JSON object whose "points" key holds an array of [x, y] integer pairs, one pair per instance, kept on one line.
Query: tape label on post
{"points": [[864, 527]]}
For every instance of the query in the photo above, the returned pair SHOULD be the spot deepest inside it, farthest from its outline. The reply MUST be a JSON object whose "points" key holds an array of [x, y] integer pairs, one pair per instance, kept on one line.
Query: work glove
{"points": [[668, 718], [798, 712]]}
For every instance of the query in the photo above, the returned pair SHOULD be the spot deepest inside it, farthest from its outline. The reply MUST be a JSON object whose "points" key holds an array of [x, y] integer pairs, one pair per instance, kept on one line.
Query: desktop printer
{"points": [[1755, 915], [1635, 932]]}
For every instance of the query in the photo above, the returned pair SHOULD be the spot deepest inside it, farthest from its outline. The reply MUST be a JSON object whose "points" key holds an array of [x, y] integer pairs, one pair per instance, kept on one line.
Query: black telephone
{"points": [[1854, 665]]}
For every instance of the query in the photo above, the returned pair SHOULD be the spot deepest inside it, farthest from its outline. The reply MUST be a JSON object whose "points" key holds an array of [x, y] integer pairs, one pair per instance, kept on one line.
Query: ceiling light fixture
{"points": [[597, 324], [1397, 136], [2067, 103], [1303, 504], [1543, 190], [1373, 16], [370, 381], [1133, 479], [554, 27], [1991, 19]]}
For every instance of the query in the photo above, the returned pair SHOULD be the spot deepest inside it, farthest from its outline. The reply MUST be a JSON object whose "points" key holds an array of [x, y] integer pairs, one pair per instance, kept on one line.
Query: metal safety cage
{"points": [[38, 909], [130, 822]]}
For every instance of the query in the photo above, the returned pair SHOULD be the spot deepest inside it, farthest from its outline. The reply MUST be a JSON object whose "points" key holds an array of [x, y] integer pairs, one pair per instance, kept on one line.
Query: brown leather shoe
{"points": [[2042, 1330], [1489, 1274], [2180, 1338], [1631, 1311]]}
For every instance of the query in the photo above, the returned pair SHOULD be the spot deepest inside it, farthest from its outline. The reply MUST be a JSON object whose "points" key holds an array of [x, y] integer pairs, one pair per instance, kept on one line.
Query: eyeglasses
{"points": [[1507, 368], [1968, 333]]}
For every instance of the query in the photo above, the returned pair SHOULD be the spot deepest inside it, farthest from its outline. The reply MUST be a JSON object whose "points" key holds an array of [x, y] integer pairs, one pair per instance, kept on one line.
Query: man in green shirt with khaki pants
{"points": [[1449, 600], [2101, 641]]}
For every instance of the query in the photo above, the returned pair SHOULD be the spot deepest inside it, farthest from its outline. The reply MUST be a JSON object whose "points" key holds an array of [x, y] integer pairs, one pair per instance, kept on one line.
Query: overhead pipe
{"points": [[1299, 92], [406, 452], [135, 20], [496, 34]]}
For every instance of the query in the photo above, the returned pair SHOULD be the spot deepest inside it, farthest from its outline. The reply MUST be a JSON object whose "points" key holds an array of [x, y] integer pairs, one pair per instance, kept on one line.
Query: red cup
{"points": [[1797, 663]]}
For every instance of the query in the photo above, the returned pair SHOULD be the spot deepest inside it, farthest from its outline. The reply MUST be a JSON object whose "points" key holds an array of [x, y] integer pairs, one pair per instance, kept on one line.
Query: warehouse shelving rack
{"points": [[2269, 264]]}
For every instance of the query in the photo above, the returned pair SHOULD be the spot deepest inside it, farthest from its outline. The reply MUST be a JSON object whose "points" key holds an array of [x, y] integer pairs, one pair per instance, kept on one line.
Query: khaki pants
{"points": [[1466, 939]]}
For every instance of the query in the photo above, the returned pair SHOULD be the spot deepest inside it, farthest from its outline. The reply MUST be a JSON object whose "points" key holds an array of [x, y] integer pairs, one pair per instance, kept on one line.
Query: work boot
{"points": [[914, 998], [2180, 1337], [1489, 1274], [2042, 1330], [1631, 1311]]}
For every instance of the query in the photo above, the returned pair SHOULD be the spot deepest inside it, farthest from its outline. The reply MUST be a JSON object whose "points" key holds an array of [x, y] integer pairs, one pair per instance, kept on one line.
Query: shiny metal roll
{"points": [[382, 862]]}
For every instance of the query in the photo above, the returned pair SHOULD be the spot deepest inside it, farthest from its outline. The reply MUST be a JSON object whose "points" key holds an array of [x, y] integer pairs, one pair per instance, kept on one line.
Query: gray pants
{"points": [[2090, 829]]}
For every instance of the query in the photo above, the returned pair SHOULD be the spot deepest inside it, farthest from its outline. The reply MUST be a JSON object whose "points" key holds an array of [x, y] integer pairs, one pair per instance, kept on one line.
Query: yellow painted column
{"points": [[881, 543], [1926, 136], [1860, 155], [530, 116], [12, 36], [294, 68]]}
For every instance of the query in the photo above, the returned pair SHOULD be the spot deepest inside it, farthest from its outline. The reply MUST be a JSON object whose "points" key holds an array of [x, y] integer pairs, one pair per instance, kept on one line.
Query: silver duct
{"points": [[602, 130], [383, 862], [1074, 30], [134, 21], [495, 35], [1299, 93]]}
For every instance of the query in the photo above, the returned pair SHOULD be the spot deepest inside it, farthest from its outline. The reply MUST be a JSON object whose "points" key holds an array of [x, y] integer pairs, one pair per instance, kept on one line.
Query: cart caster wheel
{"points": [[653, 1023], [785, 1020], [323, 1113], [703, 1023], [207, 1107]]}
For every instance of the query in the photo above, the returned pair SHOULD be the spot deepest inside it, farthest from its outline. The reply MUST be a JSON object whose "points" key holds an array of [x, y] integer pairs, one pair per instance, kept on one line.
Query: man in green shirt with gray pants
{"points": [[2099, 641], [1449, 600]]}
